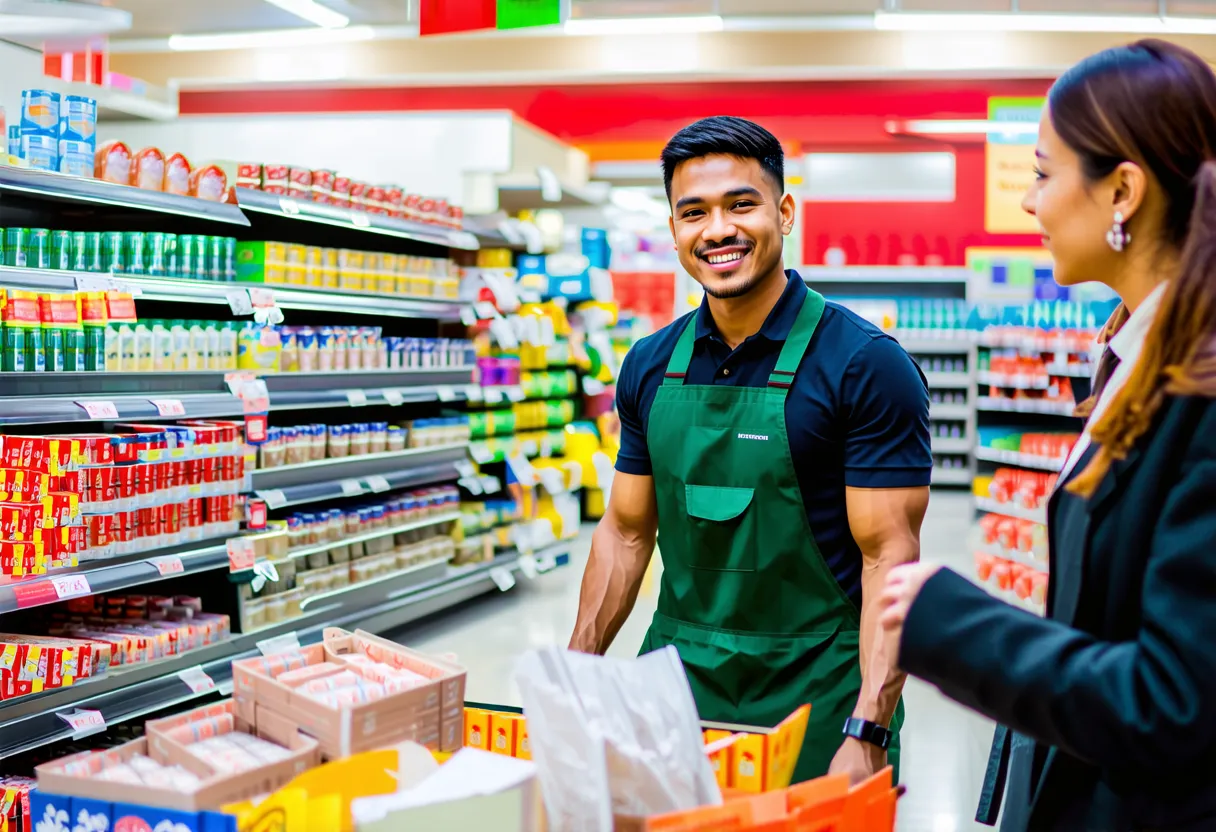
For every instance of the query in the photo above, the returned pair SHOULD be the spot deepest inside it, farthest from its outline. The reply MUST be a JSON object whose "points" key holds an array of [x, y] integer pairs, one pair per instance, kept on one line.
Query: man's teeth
{"points": [[724, 258]]}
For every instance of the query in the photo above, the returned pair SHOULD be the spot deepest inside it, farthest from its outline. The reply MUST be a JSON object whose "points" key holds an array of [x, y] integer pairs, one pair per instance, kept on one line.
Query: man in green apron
{"points": [[779, 446]]}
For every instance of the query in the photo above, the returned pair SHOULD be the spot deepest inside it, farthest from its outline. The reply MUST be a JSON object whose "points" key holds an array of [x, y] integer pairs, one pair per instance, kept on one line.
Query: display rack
{"points": [[379, 606]]}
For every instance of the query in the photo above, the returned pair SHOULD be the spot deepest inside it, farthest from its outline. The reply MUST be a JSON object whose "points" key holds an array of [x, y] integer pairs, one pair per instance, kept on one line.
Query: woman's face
{"points": [[1072, 214]]}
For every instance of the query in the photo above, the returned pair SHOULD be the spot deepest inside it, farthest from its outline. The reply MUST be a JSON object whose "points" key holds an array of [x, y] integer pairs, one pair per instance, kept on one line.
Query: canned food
{"points": [[113, 260], [93, 252], [154, 254], [16, 240], [61, 250], [229, 246], [38, 249], [215, 258], [134, 253]]}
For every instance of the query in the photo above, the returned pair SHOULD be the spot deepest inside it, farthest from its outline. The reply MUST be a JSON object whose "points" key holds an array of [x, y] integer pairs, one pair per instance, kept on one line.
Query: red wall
{"points": [[810, 115]]}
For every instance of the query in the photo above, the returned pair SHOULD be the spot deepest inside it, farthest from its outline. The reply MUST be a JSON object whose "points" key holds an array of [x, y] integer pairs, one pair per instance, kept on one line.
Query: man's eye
{"points": [[743, 203], [696, 212]]}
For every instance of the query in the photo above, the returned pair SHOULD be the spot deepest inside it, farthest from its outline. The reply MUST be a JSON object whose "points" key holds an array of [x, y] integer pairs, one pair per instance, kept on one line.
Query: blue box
{"points": [[530, 264], [78, 119], [14, 140], [40, 113], [126, 815], [76, 158], [574, 287], [60, 812], [595, 247], [50, 811], [42, 152]]}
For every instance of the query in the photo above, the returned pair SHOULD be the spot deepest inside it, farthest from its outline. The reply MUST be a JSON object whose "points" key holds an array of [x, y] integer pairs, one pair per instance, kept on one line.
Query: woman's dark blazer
{"points": [[1116, 688]]}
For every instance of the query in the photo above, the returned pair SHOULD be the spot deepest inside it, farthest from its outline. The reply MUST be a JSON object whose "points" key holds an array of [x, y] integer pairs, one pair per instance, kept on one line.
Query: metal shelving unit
{"points": [[127, 694], [951, 476], [1035, 515], [1038, 463]]}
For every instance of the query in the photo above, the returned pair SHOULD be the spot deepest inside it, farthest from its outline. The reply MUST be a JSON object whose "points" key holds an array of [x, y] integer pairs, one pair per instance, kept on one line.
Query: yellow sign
{"points": [[1009, 166]]}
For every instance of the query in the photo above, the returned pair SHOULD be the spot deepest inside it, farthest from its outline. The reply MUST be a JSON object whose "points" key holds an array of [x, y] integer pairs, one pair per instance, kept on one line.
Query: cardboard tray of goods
{"points": [[218, 786], [431, 714]]}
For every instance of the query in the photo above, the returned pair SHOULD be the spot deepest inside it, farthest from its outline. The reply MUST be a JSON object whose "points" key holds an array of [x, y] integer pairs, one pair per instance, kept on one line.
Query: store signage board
{"points": [[1009, 165], [437, 17], [520, 14]]}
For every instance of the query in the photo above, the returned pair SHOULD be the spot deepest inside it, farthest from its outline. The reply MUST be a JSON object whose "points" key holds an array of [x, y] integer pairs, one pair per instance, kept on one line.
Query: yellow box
{"points": [[386, 283], [296, 254], [295, 274], [329, 277], [477, 728], [720, 760], [749, 763], [523, 747], [502, 734]]}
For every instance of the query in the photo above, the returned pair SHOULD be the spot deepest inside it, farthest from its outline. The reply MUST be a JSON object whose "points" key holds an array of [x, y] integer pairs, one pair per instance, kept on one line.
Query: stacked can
{"points": [[40, 129], [77, 135], [14, 140]]}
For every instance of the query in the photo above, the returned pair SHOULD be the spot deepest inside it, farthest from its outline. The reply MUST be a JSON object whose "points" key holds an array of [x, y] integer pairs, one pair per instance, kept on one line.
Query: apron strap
{"points": [[681, 357], [799, 338]]}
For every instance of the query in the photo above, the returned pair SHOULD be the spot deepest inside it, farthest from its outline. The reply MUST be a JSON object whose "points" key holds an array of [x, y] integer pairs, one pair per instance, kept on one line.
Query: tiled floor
{"points": [[945, 746]]}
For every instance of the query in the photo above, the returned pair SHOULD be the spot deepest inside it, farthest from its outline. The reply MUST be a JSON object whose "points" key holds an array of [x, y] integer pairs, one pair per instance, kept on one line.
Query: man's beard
{"points": [[733, 290]]}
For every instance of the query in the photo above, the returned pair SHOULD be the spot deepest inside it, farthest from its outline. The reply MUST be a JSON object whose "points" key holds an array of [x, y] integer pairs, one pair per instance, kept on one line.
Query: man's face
{"points": [[728, 218]]}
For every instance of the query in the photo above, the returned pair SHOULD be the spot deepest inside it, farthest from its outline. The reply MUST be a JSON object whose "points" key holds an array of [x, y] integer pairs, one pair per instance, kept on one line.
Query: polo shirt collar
{"points": [[780, 320]]}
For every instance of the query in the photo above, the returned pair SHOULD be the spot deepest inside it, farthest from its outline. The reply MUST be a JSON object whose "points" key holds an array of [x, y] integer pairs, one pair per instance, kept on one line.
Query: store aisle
{"points": [[945, 746]]}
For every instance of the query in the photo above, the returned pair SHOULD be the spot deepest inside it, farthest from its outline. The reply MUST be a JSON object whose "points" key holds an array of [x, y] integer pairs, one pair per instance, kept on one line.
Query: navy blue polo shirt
{"points": [[857, 414]]}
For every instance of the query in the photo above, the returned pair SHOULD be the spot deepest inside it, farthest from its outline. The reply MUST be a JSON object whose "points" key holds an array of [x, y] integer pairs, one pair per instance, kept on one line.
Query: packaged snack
{"points": [[208, 182], [112, 162], [148, 169], [177, 175]]}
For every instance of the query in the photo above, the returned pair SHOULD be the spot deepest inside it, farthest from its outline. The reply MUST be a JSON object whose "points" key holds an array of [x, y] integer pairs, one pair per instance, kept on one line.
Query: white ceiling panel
{"points": [[158, 18]]}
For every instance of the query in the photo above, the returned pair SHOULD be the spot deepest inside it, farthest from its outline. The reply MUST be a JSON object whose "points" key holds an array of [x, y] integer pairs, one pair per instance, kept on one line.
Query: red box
{"points": [[249, 175], [358, 195], [276, 179]]}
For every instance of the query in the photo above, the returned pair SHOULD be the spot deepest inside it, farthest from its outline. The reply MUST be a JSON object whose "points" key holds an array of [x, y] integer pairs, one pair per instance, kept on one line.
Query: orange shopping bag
{"points": [[876, 789], [825, 816]]}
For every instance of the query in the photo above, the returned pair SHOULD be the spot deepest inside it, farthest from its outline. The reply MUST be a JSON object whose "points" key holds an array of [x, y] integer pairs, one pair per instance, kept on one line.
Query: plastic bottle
{"points": [[162, 347], [228, 337], [214, 336], [182, 356], [144, 348], [198, 345]]}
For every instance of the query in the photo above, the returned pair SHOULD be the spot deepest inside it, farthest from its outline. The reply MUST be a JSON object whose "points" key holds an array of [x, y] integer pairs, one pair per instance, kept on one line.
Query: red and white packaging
{"points": [[177, 175], [275, 179], [341, 193], [209, 182], [148, 169], [249, 175], [358, 195], [394, 201], [322, 185], [299, 183], [112, 162]]}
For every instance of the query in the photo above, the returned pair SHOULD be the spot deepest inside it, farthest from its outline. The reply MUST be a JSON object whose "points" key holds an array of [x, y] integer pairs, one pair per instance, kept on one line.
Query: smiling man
{"points": [[779, 446]]}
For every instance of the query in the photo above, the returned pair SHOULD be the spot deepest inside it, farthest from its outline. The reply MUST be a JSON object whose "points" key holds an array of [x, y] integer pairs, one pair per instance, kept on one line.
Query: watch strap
{"points": [[866, 731]]}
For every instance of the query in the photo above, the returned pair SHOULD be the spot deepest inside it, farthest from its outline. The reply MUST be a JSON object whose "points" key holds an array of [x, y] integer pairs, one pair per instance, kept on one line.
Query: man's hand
{"points": [[858, 759]]}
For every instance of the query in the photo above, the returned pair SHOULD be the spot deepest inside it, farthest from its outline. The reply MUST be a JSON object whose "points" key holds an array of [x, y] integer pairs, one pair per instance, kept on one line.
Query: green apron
{"points": [[761, 624]]}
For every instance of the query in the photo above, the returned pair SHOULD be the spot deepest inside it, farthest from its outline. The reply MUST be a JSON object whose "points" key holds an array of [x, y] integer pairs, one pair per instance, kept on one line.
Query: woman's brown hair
{"points": [[1152, 103]]}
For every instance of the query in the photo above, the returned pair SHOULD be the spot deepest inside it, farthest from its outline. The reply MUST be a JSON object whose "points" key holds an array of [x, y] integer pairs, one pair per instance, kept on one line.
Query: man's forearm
{"points": [[614, 574], [881, 680]]}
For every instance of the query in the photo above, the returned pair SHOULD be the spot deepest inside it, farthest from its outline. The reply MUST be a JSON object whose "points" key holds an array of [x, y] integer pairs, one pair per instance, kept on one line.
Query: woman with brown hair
{"points": [[1110, 701]]}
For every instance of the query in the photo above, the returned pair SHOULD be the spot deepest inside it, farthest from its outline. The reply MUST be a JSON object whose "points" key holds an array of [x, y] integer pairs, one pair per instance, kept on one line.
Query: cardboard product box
{"points": [[431, 715], [63, 812]]}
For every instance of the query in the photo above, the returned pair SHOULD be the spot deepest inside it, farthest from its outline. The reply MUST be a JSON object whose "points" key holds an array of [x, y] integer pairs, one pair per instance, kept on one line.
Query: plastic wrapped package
{"points": [[613, 736]]}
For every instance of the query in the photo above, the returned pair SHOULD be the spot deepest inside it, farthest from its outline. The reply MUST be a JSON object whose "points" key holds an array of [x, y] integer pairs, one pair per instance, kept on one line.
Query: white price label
{"points": [[289, 206], [351, 488], [502, 578], [473, 393], [286, 643], [377, 484], [197, 679], [393, 396], [84, 723], [493, 395], [516, 394], [467, 316], [356, 398], [445, 394], [523, 470], [485, 310], [546, 563], [239, 302], [491, 485], [71, 586], [593, 387], [169, 407], [552, 479], [171, 565], [99, 409], [273, 498], [360, 220], [465, 468], [528, 447], [527, 565], [504, 334], [481, 454], [472, 485]]}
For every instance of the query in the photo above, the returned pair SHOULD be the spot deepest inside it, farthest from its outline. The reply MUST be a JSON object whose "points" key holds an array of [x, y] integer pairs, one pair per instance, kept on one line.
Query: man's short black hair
{"points": [[726, 135]]}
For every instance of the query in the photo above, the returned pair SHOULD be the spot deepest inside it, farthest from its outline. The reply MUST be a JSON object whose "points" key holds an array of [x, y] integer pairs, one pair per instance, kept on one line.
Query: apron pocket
{"points": [[721, 529]]}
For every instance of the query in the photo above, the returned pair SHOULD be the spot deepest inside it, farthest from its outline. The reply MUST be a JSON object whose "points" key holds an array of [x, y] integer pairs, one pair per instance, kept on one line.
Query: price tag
{"points": [[239, 303], [502, 578], [473, 393], [377, 483], [472, 485], [445, 394], [393, 396], [99, 409], [465, 468], [273, 497], [490, 485], [289, 206], [527, 565], [286, 643], [504, 334], [71, 586], [467, 316], [523, 470], [546, 563], [493, 395], [171, 565], [169, 407], [351, 488], [593, 387], [360, 220], [485, 310], [197, 679], [84, 723], [552, 479], [241, 554], [528, 447], [516, 394], [481, 454], [356, 398]]}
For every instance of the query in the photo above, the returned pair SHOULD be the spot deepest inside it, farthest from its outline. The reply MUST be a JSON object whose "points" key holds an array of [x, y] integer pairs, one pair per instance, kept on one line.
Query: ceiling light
{"points": [[642, 25], [958, 127], [1025, 22], [269, 39], [313, 12]]}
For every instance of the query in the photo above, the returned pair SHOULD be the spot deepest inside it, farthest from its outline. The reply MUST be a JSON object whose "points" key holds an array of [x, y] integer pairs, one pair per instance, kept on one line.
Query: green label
{"points": [[520, 14]]}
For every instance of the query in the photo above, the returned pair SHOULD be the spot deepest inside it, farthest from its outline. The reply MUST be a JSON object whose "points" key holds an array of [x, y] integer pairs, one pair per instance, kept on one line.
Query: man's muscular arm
{"points": [[620, 553]]}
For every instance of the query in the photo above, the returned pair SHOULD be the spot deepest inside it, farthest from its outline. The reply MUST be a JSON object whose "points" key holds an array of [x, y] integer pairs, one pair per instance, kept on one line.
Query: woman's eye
{"points": [[1039, 175]]}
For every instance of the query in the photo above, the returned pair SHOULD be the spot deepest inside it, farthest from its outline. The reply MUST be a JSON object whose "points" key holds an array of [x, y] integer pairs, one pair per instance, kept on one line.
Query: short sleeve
{"points": [[634, 456], [887, 405]]}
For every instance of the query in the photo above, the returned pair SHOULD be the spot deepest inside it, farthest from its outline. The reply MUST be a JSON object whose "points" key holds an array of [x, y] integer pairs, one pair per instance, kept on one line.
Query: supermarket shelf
{"points": [[57, 187], [333, 479], [1071, 370], [179, 290], [1000, 380], [527, 197], [1016, 556], [128, 694], [948, 381], [438, 519], [113, 574], [951, 445], [920, 345], [1003, 405], [31, 410], [308, 211], [938, 410], [1039, 463], [118, 105], [297, 391], [991, 506], [951, 476], [883, 274]]}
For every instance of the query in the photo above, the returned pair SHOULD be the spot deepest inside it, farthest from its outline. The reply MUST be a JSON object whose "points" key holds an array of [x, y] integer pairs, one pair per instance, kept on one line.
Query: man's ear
{"points": [[788, 217]]}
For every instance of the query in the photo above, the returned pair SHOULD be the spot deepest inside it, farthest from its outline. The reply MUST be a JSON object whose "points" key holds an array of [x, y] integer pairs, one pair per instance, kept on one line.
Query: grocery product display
{"points": [[363, 271], [137, 253]]}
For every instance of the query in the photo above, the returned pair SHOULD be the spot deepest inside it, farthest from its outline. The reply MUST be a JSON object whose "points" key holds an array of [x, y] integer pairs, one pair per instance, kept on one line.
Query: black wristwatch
{"points": [[866, 731]]}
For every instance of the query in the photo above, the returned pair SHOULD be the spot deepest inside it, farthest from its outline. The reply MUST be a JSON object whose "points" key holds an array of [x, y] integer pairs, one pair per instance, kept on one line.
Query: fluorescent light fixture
{"points": [[956, 127], [269, 39], [313, 12], [1026, 22], [642, 25]]}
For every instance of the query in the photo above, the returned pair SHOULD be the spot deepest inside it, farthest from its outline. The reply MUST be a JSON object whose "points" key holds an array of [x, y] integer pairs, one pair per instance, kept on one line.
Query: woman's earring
{"points": [[1117, 238]]}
